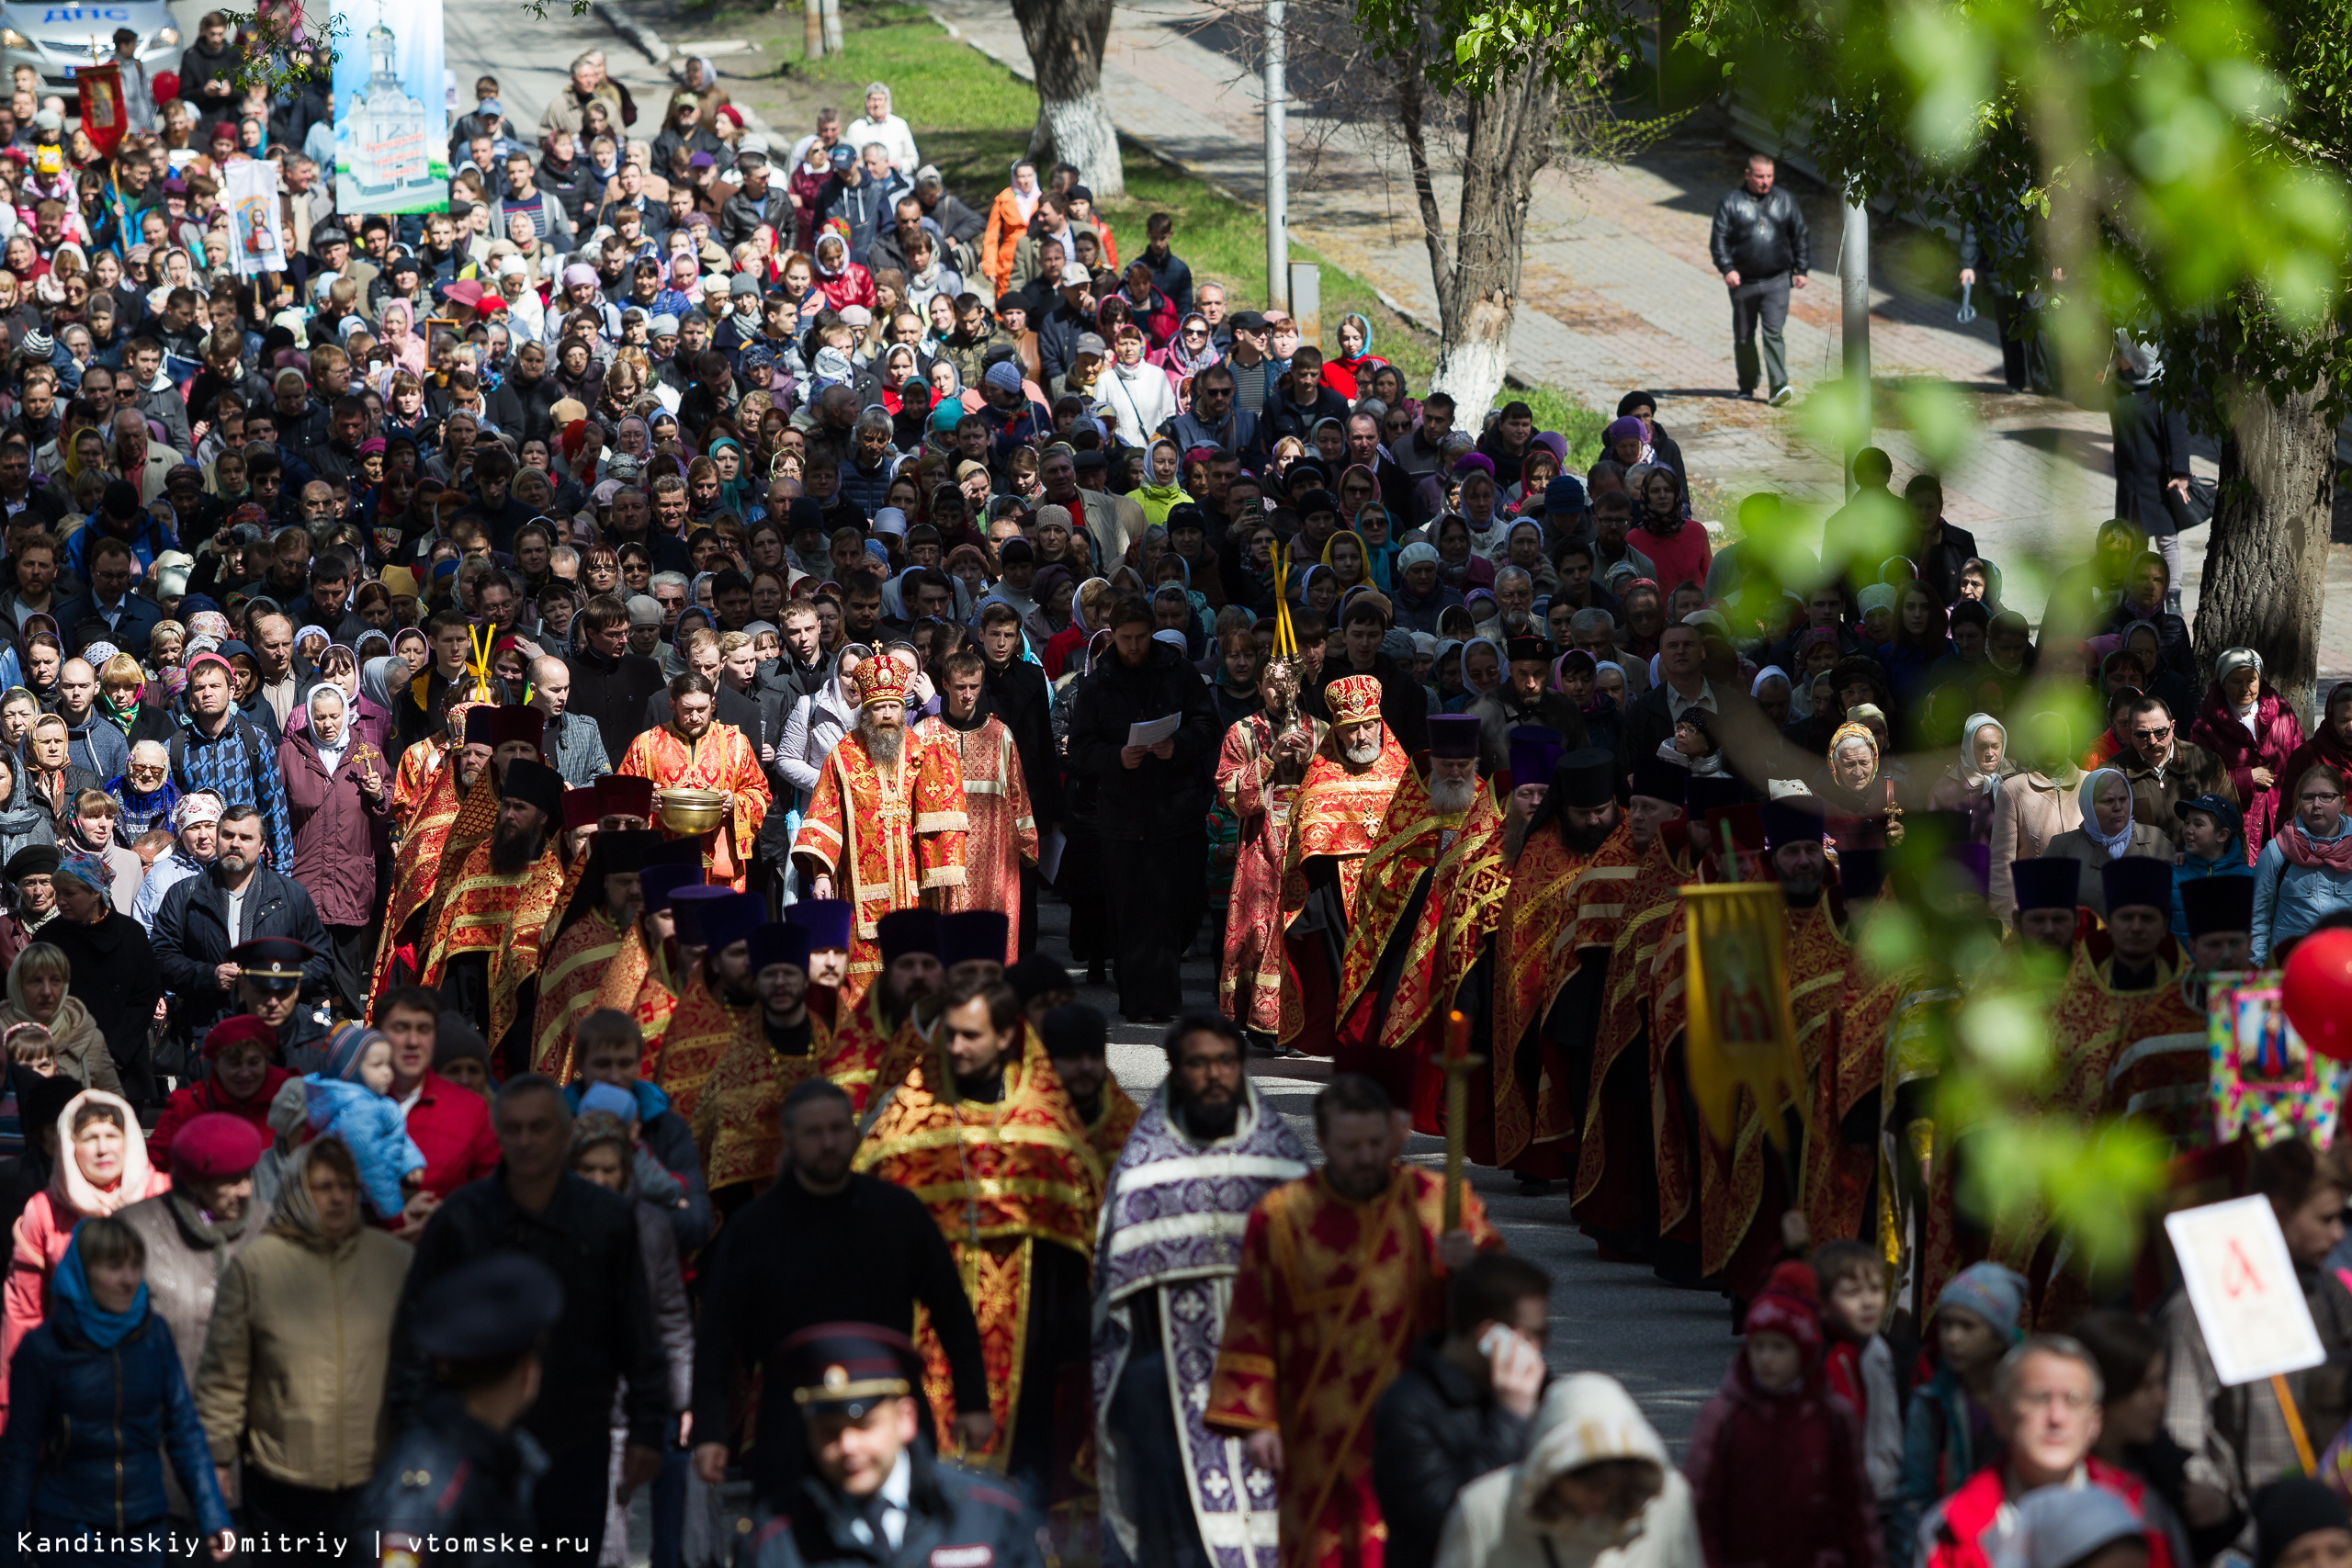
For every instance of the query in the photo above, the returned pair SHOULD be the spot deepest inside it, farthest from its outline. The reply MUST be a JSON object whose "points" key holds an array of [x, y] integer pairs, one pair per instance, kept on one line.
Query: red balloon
{"points": [[2317, 990]]}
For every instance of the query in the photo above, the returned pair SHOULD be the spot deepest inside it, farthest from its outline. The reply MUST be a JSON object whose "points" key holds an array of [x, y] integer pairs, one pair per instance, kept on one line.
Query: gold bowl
{"points": [[690, 810]]}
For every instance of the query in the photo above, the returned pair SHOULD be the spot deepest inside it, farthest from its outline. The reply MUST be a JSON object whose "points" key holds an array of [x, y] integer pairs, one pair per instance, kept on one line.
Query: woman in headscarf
{"points": [[38, 994], [1190, 352], [1162, 490], [1576, 676], [338, 796], [399, 337], [2107, 833], [1972, 785], [102, 1169], [2255, 733], [23, 819], [2147, 591], [821, 719], [1856, 795], [735, 495], [1349, 372]]}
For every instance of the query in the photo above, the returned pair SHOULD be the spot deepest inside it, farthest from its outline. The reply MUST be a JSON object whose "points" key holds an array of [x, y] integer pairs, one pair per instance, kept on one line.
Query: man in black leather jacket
{"points": [[1761, 246]]}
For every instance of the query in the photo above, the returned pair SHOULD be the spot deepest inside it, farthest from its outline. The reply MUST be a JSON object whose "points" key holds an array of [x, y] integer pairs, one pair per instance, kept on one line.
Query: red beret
{"points": [[214, 1146], [238, 1031]]}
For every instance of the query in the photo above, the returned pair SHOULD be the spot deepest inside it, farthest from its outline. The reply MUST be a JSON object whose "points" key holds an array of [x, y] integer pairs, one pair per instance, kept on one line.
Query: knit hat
{"points": [[1790, 1305], [1417, 552], [1004, 375], [2233, 660], [2286, 1511], [2065, 1525], [1992, 1292]]}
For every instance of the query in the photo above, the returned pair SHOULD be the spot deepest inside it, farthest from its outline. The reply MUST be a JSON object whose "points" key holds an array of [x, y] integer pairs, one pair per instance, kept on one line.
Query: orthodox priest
{"points": [[718, 1006], [1335, 821], [912, 976], [1339, 1272], [481, 947], [885, 825], [1429, 902], [737, 1123], [1175, 1207], [434, 782], [583, 968], [1568, 884], [999, 830], [690, 751], [983, 1133], [1616, 1197], [646, 969], [1259, 767]]}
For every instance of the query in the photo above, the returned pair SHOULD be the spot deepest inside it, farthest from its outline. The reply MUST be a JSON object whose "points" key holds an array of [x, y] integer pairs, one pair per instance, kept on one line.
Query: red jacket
{"points": [[451, 1126], [203, 1096], [1776, 1479], [2276, 733], [1959, 1526]]}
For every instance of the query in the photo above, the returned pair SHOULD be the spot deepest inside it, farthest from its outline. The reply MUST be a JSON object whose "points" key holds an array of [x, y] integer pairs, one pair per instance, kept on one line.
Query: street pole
{"points": [[812, 41], [1277, 161], [1854, 325]]}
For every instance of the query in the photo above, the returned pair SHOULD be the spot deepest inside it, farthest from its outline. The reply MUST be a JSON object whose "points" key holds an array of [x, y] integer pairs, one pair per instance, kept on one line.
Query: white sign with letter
{"points": [[2235, 1267]]}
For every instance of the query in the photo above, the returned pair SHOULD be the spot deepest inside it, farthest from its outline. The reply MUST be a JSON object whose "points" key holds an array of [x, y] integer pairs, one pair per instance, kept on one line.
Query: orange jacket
{"points": [[1002, 237]]}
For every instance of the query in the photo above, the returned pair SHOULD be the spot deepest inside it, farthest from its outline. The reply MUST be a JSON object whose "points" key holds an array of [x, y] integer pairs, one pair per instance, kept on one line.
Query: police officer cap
{"points": [[827, 922], [2215, 903], [274, 961], [973, 934], [847, 1369], [499, 1307], [902, 931]]}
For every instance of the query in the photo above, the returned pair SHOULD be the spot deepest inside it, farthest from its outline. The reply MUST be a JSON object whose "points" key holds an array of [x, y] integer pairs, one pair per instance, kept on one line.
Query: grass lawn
{"points": [[972, 117]]}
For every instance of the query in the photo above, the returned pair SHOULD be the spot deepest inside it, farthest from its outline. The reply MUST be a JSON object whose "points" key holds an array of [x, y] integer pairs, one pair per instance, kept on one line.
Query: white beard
{"points": [[1364, 753], [1450, 797]]}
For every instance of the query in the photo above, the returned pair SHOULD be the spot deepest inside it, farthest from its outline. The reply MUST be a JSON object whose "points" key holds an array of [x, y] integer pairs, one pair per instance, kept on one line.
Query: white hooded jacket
{"points": [[1584, 1418]]}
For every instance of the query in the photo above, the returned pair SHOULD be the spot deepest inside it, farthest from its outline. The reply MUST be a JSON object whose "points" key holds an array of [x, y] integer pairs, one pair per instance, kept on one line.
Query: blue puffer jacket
{"points": [[89, 1429]]}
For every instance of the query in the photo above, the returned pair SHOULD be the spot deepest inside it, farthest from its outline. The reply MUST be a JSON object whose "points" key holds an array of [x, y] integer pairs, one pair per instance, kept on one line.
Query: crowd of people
{"points": [[535, 738]]}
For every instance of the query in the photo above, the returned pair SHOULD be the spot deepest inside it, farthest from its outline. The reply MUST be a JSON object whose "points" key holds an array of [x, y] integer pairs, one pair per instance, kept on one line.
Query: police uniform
{"points": [[927, 1512], [452, 1491], [275, 963]]}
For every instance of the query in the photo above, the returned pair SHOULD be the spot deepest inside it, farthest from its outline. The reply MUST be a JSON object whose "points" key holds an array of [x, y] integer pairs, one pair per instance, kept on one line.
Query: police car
{"points": [[54, 40]]}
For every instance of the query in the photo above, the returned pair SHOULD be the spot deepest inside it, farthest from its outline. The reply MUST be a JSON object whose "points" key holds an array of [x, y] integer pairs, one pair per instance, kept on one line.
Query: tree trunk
{"points": [[1510, 139], [2266, 564], [1065, 39]]}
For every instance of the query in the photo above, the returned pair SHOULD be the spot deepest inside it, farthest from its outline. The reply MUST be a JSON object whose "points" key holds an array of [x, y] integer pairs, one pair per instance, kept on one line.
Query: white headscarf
{"points": [[1987, 783], [331, 757], [2087, 797]]}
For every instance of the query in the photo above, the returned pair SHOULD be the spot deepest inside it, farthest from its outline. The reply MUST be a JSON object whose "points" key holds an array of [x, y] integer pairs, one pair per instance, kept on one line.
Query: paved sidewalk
{"points": [[1617, 290]]}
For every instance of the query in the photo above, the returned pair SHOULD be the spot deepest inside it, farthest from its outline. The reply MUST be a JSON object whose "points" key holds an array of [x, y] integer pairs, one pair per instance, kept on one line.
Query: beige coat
{"points": [[2076, 845], [295, 1363], [2030, 810]]}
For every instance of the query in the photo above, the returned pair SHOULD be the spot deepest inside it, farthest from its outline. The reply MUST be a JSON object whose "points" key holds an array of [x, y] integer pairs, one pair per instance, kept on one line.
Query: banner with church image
{"points": [[1740, 1032], [391, 122]]}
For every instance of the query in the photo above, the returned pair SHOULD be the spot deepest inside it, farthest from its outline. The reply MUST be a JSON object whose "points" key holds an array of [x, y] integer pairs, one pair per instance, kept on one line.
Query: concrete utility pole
{"points": [[1854, 325], [1277, 160]]}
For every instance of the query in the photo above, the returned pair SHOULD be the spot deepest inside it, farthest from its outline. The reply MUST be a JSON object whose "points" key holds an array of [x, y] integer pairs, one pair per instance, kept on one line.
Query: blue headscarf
{"points": [[100, 1328]]}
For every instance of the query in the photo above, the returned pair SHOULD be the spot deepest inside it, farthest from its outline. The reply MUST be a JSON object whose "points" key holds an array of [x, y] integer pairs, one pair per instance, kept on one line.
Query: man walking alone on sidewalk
{"points": [[1759, 245]]}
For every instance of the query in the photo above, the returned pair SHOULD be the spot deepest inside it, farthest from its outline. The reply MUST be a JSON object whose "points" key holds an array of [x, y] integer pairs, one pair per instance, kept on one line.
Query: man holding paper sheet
{"points": [[1140, 725]]}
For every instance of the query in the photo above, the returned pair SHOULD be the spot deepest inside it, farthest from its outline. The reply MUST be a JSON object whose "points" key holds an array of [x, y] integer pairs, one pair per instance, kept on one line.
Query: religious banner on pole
{"points": [[251, 194], [104, 119], [1740, 1030], [391, 121]]}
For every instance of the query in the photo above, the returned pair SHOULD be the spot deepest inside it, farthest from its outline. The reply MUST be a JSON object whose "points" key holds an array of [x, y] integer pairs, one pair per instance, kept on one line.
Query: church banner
{"points": [[391, 120], [250, 195], [1740, 1031]]}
